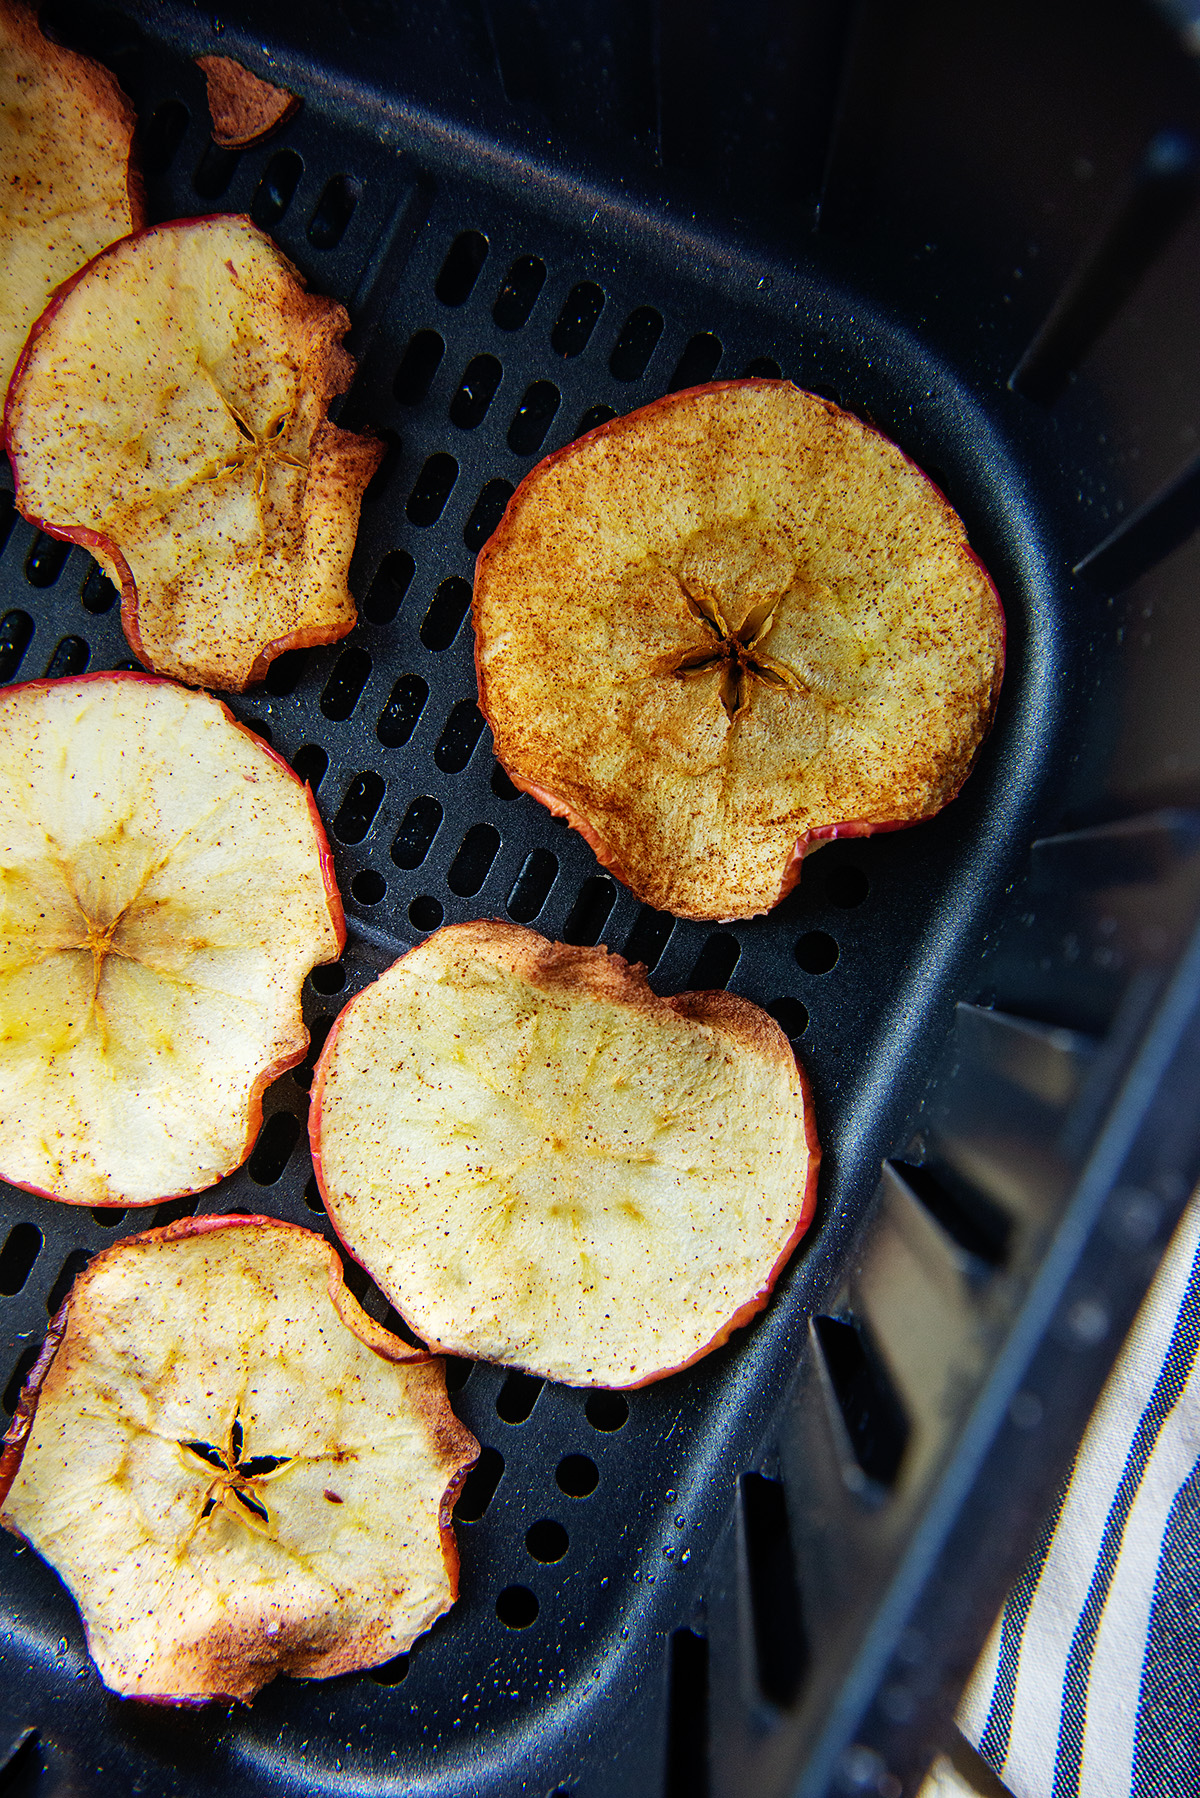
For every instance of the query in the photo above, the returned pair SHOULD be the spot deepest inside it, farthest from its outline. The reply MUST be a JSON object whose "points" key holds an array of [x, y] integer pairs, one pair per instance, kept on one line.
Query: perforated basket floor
{"points": [[711, 1554]]}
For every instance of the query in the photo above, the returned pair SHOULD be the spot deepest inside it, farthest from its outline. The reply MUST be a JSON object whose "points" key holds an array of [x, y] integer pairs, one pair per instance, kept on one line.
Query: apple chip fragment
{"points": [[544, 1164], [727, 627], [233, 1469], [66, 137], [169, 411], [165, 887]]}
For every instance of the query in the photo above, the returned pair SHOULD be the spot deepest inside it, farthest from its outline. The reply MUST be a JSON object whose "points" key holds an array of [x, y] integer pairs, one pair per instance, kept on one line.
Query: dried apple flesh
{"points": [[726, 627], [233, 1469], [170, 412], [544, 1164], [66, 132], [164, 889]]}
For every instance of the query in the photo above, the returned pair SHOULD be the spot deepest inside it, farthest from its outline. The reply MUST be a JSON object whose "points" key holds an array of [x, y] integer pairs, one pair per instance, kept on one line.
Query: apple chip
{"points": [[165, 886], [169, 411], [726, 628], [244, 108], [66, 135], [544, 1164], [235, 1472]]}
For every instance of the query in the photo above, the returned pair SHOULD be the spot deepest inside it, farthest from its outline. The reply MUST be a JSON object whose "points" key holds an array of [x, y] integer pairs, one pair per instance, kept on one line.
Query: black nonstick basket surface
{"points": [[973, 226]]}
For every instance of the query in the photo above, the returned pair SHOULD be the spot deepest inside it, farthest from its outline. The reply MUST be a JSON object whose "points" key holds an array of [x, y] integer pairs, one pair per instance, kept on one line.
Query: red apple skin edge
{"points": [[741, 1316], [811, 839], [13, 1446], [336, 914], [135, 187], [95, 540]]}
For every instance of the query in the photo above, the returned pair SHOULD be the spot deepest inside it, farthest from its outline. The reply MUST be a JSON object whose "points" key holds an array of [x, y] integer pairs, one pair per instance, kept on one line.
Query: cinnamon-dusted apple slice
{"points": [[169, 411], [70, 188], [244, 108], [233, 1469], [729, 627], [545, 1165], [165, 886]]}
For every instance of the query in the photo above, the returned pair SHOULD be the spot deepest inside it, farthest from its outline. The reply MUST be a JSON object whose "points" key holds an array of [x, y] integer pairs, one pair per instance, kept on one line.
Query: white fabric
{"points": [[1089, 1685]]}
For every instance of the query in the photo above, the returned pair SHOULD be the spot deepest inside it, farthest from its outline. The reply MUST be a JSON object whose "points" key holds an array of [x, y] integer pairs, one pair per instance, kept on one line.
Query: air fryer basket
{"points": [[971, 225]]}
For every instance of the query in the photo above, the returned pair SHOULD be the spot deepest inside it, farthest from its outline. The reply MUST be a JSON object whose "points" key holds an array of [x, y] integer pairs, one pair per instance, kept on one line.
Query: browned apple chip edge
{"points": [[244, 108], [811, 840], [254, 1116], [379, 1340], [367, 451]]}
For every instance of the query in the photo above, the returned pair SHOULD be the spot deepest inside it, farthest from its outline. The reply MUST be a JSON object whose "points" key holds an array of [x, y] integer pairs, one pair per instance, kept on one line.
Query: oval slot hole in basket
{"points": [[589, 914], [479, 1487], [392, 581], [462, 730], [70, 657], [362, 800], [21, 1248], [401, 715], [16, 628], [636, 344], [876, 1426], [163, 136], [309, 764], [449, 607], [715, 963], [460, 271], [98, 593], [518, 296], [486, 514], [470, 867], [215, 170], [577, 319], [334, 210], [518, 1396], [44, 563], [476, 390], [698, 362], [418, 365], [648, 938], [273, 1150], [276, 190], [413, 840], [533, 418], [781, 1651], [351, 672], [431, 490], [532, 886], [22, 1368], [74, 1264]]}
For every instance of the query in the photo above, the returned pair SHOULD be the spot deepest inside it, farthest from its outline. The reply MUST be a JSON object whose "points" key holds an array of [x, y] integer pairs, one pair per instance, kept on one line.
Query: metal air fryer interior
{"points": [[770, 1573]]}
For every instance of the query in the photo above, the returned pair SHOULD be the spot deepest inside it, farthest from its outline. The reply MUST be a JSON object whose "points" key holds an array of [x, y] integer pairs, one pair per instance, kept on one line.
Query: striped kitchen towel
{"points": [[1089, 1686]]}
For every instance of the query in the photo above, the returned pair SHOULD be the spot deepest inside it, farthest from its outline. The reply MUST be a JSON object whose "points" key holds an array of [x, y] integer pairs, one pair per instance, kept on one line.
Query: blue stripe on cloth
{"points": [[1172, 1377], [993, 1743], [1166, 1743]]}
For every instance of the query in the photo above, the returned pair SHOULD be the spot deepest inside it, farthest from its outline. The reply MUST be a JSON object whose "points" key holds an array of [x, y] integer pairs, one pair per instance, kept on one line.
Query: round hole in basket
{"points": [[846, 886], [517, 1607], [329, 977], [577, 1476], [547, 1541], [425, 912], [817, 952], [368, 887], [606, 1410]]}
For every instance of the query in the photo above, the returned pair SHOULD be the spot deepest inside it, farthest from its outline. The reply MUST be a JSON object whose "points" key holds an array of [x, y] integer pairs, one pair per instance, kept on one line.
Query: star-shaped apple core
{"points": [[163, 893], [173, 415], [737, 653], [237, 1488], [238, 1484]]}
